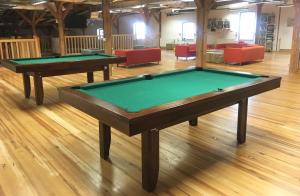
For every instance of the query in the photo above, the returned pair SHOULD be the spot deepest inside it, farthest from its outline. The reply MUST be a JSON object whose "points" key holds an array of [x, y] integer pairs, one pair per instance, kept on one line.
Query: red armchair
{"points": [[140, 56]]}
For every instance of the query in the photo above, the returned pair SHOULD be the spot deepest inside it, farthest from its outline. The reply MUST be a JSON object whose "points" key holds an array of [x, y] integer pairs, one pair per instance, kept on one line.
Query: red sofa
{"points": [[187, 50], [241, 52], [140, 56], [231, 45]]}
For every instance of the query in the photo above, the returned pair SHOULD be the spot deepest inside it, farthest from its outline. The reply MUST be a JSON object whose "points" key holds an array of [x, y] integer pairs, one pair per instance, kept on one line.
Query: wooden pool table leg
{"points": [[38, 88], [106, 72], [242, 121], [90, 77], [150, 159], [104, 140], [193, 122], [27, 86]]}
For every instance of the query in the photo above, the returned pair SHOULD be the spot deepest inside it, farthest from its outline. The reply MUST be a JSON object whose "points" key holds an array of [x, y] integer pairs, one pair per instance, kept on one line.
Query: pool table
{"points": [[148, 103], [59, 65]]}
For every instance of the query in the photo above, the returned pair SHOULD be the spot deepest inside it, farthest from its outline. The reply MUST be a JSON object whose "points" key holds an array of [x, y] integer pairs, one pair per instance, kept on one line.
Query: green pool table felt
{"points": [[54, 59], [136, 94]]}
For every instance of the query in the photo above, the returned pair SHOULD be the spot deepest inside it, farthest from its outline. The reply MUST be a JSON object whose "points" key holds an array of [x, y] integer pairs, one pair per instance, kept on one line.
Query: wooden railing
{"points": [[19, 48], [122, 41], [74, 44]]}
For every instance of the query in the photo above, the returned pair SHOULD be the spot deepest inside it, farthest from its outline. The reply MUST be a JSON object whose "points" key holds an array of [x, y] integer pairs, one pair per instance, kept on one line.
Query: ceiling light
{"points": [[39, 2], [138, 6]]}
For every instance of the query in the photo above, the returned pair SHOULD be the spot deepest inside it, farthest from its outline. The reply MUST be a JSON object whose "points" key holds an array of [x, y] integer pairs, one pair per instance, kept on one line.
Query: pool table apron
{"points": [[38, 79]]}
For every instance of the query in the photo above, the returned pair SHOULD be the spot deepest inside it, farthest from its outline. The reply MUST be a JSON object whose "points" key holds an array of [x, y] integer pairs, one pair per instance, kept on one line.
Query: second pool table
{"points": [[148, 103], [59, 65]]}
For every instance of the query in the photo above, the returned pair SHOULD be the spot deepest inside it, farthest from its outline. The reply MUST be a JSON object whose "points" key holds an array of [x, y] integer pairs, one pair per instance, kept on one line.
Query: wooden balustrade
{"points": [[19, 48], [30, 48], [74, 44], [122, 41]]}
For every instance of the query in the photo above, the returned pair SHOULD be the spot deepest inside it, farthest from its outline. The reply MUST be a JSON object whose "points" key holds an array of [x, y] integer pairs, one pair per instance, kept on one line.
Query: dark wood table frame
{"points": [[148, 122], [38, 71]]}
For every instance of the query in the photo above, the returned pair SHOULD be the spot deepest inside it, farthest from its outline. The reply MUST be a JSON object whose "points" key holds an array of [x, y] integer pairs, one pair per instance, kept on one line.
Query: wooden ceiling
{"points": [[121, 6], [28, 4]]}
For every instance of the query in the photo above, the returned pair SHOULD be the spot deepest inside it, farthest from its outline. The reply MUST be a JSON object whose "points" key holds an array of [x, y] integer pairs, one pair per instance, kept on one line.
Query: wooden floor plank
{"points": [[54, 149]]}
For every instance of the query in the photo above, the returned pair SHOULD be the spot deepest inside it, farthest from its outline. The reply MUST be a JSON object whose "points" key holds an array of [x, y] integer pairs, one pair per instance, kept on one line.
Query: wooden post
{"points": [[203, 8], [115, 22], [107, 26], [158, 20], [59, 13], [146, 15], [258, 22], [295, 52]]}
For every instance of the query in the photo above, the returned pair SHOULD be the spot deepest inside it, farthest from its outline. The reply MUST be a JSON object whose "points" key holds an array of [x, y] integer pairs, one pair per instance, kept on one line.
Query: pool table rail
{"points": [[59, 66], [165, 115], [149, 121]]}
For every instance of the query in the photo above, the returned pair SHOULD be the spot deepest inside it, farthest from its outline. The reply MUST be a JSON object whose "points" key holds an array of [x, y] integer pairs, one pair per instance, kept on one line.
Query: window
{"points": [[247, 26], [100, 33], [139, 30], [234, 22], [188, 31]]}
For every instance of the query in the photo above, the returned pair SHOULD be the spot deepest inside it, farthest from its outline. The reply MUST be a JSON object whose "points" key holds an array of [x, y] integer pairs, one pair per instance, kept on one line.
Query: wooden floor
{"points": [[53, 149]]}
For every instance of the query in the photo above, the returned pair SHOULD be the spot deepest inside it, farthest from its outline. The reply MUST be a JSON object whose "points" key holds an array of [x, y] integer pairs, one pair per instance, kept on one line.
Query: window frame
{"points": [[182, 32], [239, 33], [135, 34]]}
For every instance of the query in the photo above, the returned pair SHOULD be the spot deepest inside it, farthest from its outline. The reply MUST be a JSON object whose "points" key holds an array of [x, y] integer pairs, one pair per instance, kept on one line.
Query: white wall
{"points": [[126, 27], [172, 26]]}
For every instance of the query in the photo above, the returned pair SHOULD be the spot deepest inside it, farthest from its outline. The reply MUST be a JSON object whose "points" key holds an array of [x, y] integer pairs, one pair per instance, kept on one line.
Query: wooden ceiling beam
{"points": [[59, 12], [146, 14], [24, 17], [156, 17], [35, 19]]}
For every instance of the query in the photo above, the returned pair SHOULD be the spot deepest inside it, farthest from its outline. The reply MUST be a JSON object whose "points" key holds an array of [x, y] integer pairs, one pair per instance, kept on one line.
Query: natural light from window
{"points": [[247, 26], [234, 22], [100, 33], [139, 30], [188, 31]]}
